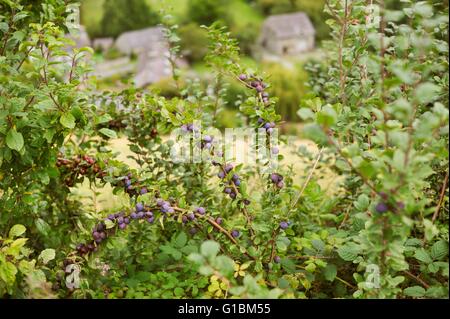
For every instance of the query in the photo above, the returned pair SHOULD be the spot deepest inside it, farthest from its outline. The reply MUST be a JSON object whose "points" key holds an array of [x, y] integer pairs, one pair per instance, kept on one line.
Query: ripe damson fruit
{"points": [[284, 225], [277, 259], [219, 220], [235, 233], [200, 210], [381, 208]]}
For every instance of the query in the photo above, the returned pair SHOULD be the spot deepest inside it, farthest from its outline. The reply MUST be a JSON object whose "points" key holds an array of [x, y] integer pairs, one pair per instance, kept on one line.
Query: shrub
{"points": [[215, 229], [194, 42], [126, 15]]}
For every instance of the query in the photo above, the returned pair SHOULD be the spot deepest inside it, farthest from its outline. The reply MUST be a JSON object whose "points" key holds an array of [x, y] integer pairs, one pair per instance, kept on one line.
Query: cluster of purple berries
{"points": [[164, 206], [268, 126], [84, 249], [191, 216], [133, 189], [234, 180], [121, 219], [187, 128], [207, 141], [277, 179], [142, 212], [99, 232], [256, 84]]}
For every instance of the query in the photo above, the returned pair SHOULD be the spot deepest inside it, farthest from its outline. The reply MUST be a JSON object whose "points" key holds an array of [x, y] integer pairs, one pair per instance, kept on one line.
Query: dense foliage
{"points": [[214, 229], [126, 15]]}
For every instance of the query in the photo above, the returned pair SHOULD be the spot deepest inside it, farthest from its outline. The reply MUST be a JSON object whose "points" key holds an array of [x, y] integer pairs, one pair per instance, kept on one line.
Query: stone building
{"points": [[103, 44], [140, 40], [287, 34]]}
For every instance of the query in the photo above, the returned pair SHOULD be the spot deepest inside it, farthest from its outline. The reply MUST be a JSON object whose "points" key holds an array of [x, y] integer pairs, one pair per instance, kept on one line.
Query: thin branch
{"points": [[416, 278], [441, 198], [308, 178]]}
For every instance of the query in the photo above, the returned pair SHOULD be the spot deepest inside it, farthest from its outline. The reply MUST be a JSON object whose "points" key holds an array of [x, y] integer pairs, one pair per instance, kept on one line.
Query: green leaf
{"points": [[181, 240], [414, 291], [347, 253], [439, 250], [14, 140], [330, 272], [107, 132], [67, 120], [422, 255], [209, 249], [427, 92], [305, 113], [327, 116], [47, 255], [8, 273], [17, 230]]}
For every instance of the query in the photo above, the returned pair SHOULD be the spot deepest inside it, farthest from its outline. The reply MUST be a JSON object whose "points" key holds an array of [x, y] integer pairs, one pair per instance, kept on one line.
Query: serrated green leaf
{"points": [[439, 250]]}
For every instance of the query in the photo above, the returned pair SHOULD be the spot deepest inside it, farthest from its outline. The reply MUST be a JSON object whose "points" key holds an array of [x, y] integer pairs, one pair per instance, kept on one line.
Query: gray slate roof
{"points": [[289, 25], [144, 39]]}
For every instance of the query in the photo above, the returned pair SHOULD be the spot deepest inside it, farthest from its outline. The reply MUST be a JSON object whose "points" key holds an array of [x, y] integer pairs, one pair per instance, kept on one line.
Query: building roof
{"points": [[135, 41], [289, 25]]}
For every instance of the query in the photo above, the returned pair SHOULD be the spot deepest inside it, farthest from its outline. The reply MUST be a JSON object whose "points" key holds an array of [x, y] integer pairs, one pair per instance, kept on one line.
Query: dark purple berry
{"points": [[139, 207], [120, 220], [140, 215], [235, 233], [151, 219], [284, 225], [201, 210], [275, 177], [277, 259], [381, 208], [242, 77], [122, 226], [134, 215], [184, 219], [191, 216], [219, 220], [221, 175], [143, 190], [227, 190], [126, 220]]}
